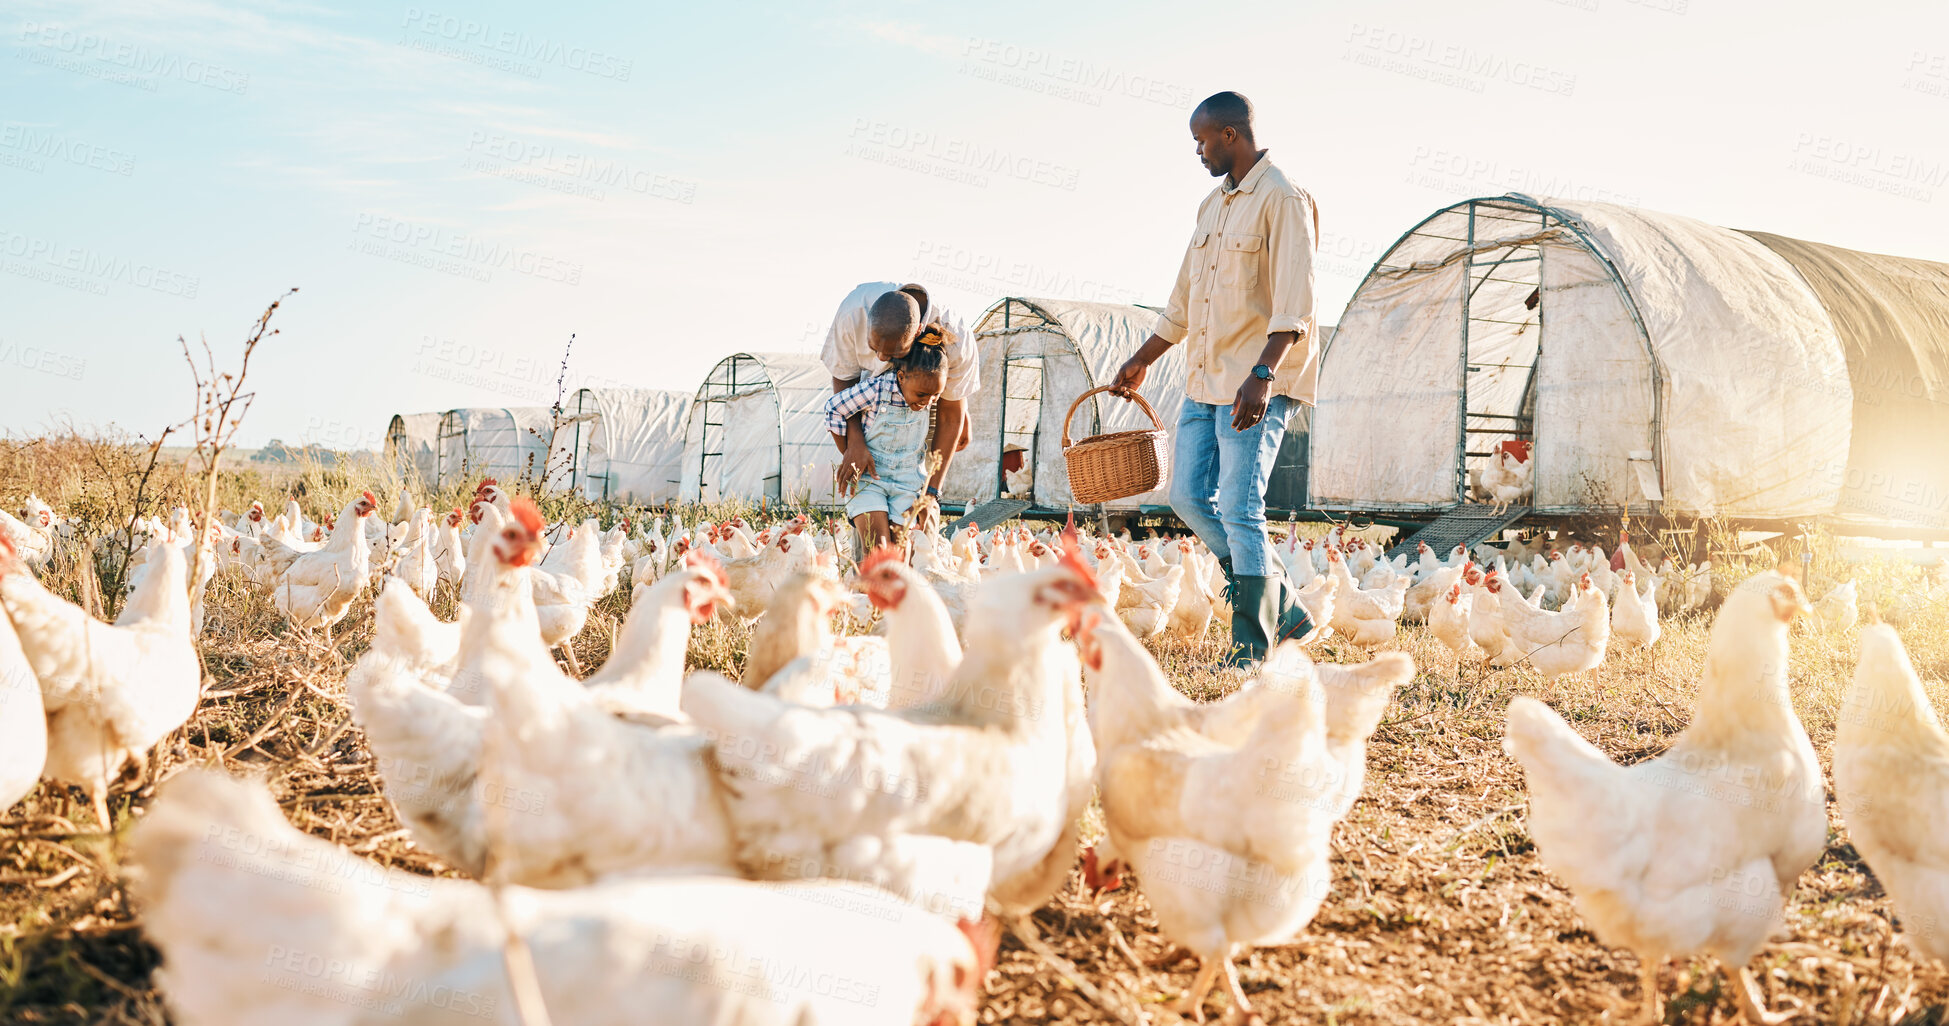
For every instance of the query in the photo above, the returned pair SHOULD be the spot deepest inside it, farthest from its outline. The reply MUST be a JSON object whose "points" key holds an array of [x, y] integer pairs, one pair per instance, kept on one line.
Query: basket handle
{"points": [[1134, 396]]}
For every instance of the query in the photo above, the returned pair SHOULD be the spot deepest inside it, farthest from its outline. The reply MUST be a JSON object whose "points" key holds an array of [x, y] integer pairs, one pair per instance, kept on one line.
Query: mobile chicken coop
{"points": [[1655, 364], [756, 431], [1036, 357], [412, 441], [620, 444], [493, 442]]}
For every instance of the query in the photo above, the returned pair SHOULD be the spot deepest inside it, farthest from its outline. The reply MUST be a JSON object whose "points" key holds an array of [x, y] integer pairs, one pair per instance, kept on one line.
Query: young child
{"points": [[893, 411]]}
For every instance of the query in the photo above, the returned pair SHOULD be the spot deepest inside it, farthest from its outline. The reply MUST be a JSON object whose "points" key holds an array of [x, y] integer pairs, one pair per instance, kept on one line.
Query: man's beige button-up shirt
{"points": [[1247, 273]]}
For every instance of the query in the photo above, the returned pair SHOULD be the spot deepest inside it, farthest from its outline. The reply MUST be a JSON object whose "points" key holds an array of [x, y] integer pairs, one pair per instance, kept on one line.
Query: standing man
{"points": [[1243, 303], [880, 321]]}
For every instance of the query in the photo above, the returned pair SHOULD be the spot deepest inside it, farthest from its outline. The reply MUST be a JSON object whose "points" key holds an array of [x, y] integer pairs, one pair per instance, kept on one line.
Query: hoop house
{"points": [[757, 432], [620, 445], [494, 442], [1656, 364], [412, 441]]}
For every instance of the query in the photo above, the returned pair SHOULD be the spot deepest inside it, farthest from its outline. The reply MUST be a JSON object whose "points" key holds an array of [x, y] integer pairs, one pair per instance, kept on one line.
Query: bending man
{"points": [[878, 322]]}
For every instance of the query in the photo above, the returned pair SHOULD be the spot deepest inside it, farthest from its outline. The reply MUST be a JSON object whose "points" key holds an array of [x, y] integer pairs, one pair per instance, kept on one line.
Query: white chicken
{"points": [[566, 588], [793, 653], [1634, 619], [32, 541], [583, 792], [1365, 618], [1694, 851], [1837, 610], [23, 720], [1448, 621], [449, 551], [917, 800], [1145, 605], [1569, 640], [334, 939], [1891, 775], [923, 650], [316, 589], [110, 691], [643, 677], [416, 565], [1226, 809]]}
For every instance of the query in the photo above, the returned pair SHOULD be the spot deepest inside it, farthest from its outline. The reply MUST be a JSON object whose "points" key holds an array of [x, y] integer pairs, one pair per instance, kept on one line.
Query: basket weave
{"points": [[1105, 468]]}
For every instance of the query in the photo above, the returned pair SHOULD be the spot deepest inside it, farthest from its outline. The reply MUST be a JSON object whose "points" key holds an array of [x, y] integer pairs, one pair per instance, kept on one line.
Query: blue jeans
{"points": [[1219, 477]]}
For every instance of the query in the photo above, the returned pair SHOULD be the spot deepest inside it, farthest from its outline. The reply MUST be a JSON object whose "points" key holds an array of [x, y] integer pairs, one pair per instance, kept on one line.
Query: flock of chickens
{"points": [[837, 838]]}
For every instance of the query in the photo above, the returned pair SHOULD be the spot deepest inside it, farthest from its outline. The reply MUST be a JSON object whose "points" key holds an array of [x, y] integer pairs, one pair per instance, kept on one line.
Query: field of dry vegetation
{"points": [[1440, 909]]}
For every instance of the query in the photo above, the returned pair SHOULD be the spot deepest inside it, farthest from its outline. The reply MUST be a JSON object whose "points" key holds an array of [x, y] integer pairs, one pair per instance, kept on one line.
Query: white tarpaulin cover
{"points": [[1748, 389], [757, 432], [494, 442], [1037, 356], [621, 444], [411, 445]]}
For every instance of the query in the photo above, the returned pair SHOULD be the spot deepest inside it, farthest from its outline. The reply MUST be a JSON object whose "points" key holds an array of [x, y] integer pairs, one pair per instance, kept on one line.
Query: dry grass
{"points": [[1440, 909]]}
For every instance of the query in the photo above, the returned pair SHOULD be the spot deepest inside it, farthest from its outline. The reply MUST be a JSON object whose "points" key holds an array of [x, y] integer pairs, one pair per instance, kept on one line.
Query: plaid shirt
{"points": [[865, 398]]}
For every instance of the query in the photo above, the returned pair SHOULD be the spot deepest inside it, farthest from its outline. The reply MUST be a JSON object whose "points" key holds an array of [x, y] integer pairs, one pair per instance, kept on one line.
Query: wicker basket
{"points": [[1105, 468]]}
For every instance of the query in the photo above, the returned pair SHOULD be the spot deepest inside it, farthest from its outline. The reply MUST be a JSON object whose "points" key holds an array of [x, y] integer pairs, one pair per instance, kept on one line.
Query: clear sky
{"points": [[457, 188]]}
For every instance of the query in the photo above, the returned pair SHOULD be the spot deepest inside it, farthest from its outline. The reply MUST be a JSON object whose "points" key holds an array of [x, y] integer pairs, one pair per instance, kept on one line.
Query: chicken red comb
{"points": [[485, 484], [528, 516], [1072, 557], [880, 556], [370, 499], [1585, 582]]}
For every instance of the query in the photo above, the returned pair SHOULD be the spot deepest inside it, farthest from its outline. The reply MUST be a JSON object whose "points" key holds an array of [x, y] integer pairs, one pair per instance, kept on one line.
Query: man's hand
{"points": [[1131, 375], [1248, 406], [855, 463]]}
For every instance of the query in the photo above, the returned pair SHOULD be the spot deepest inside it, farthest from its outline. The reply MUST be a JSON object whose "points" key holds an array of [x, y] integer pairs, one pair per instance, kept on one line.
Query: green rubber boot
{"points": [[1294, 620], [1255, 615]]}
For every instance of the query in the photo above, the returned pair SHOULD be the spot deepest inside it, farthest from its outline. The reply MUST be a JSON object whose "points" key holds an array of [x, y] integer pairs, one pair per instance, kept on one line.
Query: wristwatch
{"points": [[933, 491], [1262, 372]]}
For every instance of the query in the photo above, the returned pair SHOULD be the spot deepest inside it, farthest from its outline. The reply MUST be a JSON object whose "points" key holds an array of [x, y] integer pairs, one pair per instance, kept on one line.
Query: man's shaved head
{"points": [[1227, 110], [1222, 126], [892, 324]]}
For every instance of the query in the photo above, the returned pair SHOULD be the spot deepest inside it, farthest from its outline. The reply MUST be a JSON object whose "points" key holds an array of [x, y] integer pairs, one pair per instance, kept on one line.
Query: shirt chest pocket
{"points": [[1239, 257]]}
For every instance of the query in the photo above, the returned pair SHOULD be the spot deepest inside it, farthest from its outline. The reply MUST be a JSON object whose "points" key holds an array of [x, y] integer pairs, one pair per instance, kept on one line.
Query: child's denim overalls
{"points": [[896, 440]]}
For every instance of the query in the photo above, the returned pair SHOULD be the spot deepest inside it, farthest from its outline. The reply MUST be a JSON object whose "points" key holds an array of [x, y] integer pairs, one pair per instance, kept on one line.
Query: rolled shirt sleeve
{"points": [[1290, 246], [846, 340], [1173, 323], [959, 359]]}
